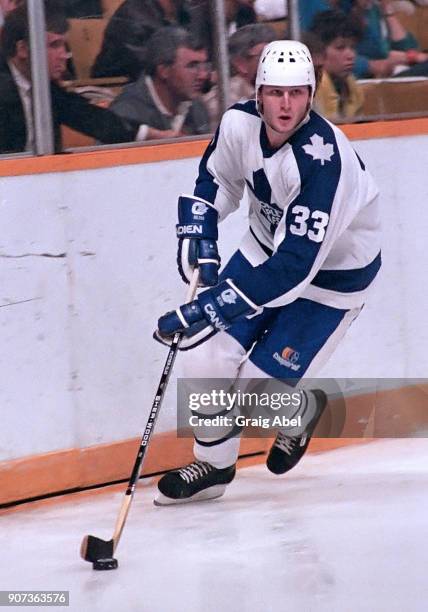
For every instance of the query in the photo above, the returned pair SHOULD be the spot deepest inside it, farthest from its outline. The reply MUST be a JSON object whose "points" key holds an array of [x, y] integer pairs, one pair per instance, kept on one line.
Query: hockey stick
{"points": [[100, 552]]}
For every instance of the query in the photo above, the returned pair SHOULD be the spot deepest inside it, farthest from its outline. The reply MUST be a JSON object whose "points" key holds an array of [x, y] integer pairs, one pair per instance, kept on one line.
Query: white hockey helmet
{"points": [[286, 63]]}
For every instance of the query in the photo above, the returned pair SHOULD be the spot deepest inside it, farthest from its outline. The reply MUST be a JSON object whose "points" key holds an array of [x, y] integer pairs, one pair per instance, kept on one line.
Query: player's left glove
{"points": [[214, 310], [197, 235]]}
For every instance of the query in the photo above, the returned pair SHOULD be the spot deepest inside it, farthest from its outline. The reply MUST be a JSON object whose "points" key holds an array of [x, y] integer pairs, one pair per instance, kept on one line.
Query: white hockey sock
{"points": [[220, 456], [304, 413]]}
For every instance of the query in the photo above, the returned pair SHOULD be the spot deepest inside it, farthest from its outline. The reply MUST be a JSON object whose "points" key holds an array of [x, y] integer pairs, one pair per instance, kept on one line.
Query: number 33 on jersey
{"points": [[314, 228], [312, 225]]}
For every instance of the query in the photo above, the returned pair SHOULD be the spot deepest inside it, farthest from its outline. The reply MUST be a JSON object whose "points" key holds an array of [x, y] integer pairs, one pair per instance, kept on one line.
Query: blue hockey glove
{"points": [[214, 310], [197, 235]]}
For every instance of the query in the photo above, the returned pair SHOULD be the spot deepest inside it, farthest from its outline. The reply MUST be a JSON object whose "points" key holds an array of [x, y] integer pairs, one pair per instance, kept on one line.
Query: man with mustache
{"points": [[167, 97]]}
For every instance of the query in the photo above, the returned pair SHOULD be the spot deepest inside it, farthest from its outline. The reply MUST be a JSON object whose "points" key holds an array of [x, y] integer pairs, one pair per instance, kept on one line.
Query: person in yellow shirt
{"points": [[338, 96]]}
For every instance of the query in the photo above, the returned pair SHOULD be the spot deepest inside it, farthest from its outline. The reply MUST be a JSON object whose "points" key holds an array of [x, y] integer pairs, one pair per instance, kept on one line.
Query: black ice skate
{"points": [[197, 481], [287, 451]]}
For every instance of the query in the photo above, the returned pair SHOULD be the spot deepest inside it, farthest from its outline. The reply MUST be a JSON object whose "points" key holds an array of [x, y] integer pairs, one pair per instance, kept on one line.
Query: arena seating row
{"points": [[392, 96], [85, 37], [382, 97], [86, 34], [417, 24]]}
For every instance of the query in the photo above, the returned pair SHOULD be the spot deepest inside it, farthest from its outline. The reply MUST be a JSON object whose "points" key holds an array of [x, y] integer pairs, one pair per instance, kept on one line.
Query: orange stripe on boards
{"points": [[317, 445], [69, 162], [385, 414], [75, 468], [386, 129], [103, 158]]}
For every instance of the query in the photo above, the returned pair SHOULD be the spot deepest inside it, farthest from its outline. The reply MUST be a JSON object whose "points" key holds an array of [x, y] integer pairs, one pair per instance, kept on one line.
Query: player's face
{"points": [[188, 74], [340, 57], [283, 109], [57, 55]]}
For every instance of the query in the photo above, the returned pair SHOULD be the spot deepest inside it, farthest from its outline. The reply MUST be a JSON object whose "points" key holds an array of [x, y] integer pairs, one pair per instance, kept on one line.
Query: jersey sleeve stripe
{"points": [[206, 187], [348, 281]]}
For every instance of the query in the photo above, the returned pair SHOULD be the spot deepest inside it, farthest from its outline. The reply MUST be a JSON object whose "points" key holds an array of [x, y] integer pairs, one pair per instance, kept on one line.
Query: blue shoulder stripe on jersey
{"points": [[317, 156], [348, 281], [344, 281], [246, 107], [318, 159], [205, 186]]}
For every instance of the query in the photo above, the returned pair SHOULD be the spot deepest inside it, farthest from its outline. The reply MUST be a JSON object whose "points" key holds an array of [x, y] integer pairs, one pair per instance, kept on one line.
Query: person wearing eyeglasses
{"points": [[167, 97]]}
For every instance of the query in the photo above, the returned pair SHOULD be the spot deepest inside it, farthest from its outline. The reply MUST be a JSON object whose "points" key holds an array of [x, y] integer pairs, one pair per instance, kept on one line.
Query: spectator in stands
{"points": [[386, 49], [245, 48], [130, 27], [166, 99], [338, 96], [6, 6], [16, 106], [239, 13]]}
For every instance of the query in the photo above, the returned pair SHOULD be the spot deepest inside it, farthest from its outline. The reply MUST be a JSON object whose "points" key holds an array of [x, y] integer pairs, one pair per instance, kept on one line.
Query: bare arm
{"points": [[395, 28]]}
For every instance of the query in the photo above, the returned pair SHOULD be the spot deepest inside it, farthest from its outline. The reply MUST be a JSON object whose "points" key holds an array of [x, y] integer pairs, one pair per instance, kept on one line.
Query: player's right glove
{"points": [[197, 235], [214, 310]]}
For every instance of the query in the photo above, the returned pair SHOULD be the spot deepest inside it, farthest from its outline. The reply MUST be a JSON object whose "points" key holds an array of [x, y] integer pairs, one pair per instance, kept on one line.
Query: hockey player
{"points": [[301, 274]]}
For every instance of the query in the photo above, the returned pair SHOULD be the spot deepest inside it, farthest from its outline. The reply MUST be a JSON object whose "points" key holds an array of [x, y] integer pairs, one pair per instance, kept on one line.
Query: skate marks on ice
{"points": [[343, 531]]}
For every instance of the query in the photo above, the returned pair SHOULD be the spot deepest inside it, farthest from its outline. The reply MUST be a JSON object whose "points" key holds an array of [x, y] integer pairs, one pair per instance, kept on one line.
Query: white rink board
{"points": [[78, 365]]}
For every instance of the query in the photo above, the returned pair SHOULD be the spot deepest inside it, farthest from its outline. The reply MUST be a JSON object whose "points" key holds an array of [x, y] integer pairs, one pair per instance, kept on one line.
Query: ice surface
{"points": [[345, 531]]}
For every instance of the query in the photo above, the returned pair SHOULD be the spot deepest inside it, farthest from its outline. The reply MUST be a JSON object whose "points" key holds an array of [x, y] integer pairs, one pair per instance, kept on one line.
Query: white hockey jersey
{"points": [[314, 221]]}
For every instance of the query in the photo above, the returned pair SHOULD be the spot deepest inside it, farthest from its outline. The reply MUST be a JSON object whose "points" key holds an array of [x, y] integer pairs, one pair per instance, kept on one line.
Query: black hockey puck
{"points": [[105, 564]]}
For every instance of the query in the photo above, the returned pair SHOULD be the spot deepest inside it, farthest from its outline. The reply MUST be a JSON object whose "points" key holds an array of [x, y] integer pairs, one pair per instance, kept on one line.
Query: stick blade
{"points": [[92, 549]]}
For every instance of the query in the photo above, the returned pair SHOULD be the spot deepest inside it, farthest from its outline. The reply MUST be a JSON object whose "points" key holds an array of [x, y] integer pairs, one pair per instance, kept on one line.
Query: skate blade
{"points": [[210, 493]]}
